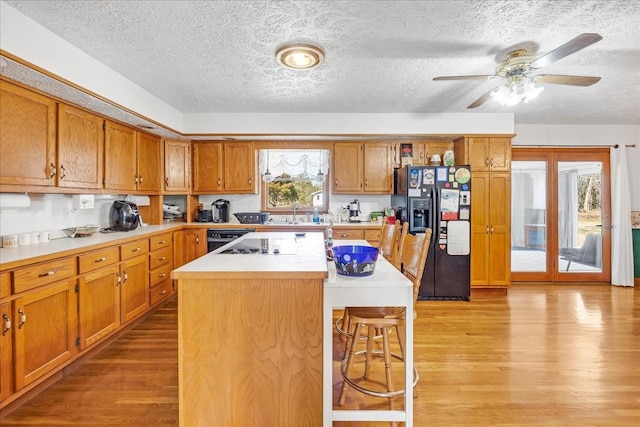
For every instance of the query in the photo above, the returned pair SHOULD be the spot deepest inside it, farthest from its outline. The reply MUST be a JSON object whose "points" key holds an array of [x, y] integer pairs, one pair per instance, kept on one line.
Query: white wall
{"points": [[589, 135], [53, 212]]}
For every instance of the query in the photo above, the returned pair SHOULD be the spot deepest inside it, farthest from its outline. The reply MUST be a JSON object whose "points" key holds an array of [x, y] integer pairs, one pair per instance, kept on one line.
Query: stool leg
{"points": [[369, 353], [387, 363], [350, 357]]}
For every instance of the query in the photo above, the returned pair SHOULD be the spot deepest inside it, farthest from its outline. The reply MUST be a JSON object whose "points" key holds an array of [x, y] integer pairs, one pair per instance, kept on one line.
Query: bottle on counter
{"points": [[329, 241], [316, 216]]}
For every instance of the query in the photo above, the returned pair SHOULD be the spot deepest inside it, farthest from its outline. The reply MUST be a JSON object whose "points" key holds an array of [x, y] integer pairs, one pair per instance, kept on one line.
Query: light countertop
{"points": [[309, 261], [66, 246]]}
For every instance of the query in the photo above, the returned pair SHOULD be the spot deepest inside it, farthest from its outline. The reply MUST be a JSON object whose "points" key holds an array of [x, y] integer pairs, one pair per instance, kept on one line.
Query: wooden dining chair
{"points": [[413, 255]]}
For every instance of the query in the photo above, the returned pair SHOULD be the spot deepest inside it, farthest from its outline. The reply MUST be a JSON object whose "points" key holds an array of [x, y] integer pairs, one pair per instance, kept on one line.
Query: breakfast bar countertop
{"points": [[309, 261]]}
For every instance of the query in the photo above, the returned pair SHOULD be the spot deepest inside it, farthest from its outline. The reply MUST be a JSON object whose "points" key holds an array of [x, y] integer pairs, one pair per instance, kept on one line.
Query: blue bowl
{"points": [[355, 260]]}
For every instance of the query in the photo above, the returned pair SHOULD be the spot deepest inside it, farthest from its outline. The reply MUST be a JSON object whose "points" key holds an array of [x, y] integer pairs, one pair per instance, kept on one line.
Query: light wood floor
{"points": [[560, 355]]}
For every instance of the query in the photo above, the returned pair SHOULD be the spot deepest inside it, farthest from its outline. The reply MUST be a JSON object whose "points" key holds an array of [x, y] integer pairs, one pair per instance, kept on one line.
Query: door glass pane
{"points": [[579, 216], [528, 216]]}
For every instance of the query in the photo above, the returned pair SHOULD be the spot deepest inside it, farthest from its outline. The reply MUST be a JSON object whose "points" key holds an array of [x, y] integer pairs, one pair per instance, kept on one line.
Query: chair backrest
{"points": [[414, 256], [397, 261], [389, 235]]}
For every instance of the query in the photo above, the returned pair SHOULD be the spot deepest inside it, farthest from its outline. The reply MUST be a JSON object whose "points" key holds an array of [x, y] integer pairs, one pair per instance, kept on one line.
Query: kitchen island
{"points": [[251, 332], [250, 336]]}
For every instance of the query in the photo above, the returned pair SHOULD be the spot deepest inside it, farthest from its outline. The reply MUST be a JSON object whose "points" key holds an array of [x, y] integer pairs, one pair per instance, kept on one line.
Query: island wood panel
{"points": [[250, 352]]}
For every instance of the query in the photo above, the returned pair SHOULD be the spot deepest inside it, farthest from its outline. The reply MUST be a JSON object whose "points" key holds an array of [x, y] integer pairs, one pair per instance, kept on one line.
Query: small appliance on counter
{"points": [[124, 216], [354, 211], [205, 215], [220, 211]]}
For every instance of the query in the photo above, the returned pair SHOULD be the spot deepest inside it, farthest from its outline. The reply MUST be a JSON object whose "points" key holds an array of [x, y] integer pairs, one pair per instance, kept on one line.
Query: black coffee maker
{"points": [[354, 211], [220, 210]]}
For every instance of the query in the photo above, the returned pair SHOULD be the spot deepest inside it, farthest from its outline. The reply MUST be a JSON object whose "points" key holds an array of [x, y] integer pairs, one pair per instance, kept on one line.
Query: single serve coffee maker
{"points": [[220, 210], [354, 211]]}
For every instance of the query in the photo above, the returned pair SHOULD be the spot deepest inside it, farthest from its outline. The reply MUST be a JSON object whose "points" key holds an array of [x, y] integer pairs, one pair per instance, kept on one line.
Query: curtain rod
{"points": [[572, 146]]}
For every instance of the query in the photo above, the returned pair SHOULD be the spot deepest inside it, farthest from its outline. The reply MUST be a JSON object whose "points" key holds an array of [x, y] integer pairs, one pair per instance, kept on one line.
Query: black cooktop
{"points": [[263, 246]]}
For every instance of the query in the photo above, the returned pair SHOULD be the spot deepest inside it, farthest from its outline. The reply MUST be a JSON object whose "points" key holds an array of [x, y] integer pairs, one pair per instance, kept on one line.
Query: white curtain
{"points": [[621, 238], [301, 163]]}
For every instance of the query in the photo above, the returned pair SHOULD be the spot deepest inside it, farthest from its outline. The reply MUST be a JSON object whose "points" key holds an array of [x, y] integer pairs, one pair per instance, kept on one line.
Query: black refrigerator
{"points": [[439, 197]]}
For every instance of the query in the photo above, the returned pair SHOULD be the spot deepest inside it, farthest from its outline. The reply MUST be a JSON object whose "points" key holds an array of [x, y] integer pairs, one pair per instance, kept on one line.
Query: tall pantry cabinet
{"points": [[490, 160]]}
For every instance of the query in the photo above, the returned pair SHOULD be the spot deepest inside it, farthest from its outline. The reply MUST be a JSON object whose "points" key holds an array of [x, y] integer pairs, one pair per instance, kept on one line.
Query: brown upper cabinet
{"points": [[177, 166], [27, 137], [422, 151], [80, 148], [490, 154], [224, 167], [362, 168], [133, 160]]}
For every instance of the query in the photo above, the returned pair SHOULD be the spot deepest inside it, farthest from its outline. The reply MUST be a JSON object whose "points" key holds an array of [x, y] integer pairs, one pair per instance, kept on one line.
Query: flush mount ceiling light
{"points": [[299, 56]]}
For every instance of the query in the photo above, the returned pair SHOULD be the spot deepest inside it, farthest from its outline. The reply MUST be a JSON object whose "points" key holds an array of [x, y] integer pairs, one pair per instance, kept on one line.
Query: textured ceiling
{"points": [[381, 56]]}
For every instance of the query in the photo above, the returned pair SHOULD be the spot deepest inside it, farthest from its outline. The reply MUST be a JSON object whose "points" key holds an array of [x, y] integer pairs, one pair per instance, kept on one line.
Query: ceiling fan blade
{"points": [[580, 42], [567, 80], [484, 98], [477, 77]]}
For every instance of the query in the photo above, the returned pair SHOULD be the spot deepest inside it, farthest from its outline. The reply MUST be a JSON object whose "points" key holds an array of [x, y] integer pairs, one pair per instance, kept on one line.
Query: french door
{"points": [[560, 215]]}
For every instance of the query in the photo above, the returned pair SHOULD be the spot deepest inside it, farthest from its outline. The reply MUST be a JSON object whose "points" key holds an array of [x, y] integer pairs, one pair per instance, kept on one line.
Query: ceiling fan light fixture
{"points": [[299, 56], [518, 88]]}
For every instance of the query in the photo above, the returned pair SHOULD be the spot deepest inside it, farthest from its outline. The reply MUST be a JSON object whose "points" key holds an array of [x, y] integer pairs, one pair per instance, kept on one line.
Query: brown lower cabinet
{"points": [[54, 311], [134, 288], [44, 330], [6, 352]]}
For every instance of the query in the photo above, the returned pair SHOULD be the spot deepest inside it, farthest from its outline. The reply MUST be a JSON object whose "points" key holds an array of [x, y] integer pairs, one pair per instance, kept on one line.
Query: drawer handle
{"points": [[162, 242], [136, 249], [163, 292], [23, 318], [101, 259], [344, 235], [48, 273], [162, 258], [7, 324], [163, 275]]}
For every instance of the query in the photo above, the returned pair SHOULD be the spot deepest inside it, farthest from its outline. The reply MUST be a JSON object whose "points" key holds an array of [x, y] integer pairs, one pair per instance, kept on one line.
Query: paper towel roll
{"points": [[14, 200]]}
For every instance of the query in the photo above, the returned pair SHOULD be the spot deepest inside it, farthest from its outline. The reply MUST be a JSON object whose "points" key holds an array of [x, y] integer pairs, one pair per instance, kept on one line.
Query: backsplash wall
{"points": [[54, 212]]}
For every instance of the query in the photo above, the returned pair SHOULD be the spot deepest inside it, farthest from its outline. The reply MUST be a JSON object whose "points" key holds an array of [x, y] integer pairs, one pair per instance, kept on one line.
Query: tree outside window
{"points": [[295, 175]]}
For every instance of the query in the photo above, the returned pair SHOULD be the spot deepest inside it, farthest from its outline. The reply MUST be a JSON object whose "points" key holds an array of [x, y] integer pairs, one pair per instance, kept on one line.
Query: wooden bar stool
{"points": [[413, 255], [390, 235]]}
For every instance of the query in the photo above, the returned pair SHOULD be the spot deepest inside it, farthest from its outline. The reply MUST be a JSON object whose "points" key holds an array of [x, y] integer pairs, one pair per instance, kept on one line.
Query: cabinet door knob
{"points": [[6, 325], [23, 318]]}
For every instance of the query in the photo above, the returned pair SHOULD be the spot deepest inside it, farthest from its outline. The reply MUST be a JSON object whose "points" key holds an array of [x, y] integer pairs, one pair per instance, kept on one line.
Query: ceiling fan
{"points": [[518, 66]]}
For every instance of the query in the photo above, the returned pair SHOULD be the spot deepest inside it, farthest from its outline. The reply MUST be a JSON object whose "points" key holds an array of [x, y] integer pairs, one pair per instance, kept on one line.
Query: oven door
{"points": [[218, 237]]}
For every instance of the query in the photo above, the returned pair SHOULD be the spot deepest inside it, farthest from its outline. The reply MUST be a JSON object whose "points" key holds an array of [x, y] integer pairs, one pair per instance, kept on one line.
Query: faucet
{"points": [[296, 205]]}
